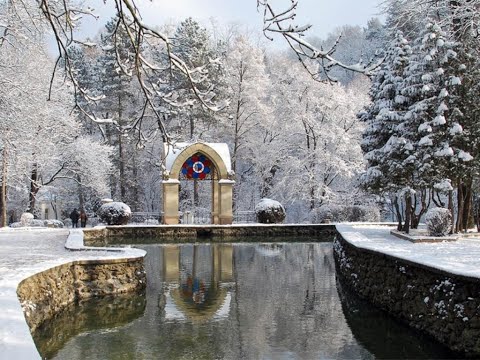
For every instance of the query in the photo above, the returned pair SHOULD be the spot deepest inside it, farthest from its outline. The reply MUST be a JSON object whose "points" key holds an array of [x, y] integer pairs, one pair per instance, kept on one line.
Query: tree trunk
{"points": [[416, 217], [467, 207], [408, 210], [3, 190], [450, 207], [135, 187], [398, 214], [123, 187], [34, 187], [81, 196], [460, 206]]}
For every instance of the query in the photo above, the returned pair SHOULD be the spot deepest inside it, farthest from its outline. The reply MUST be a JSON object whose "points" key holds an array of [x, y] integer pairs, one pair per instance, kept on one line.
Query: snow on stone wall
{"points": [[444, 305]]}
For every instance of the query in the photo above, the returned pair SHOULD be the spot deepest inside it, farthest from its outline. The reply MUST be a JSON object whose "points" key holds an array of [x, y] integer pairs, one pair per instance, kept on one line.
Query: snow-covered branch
{"points": [[317, 62], [62, 18]]}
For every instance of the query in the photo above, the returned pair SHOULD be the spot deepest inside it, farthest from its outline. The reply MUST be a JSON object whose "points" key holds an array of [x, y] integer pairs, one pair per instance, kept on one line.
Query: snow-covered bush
{"points": [[53, 223], [150, 222], [114, 213], [26, 219], [269, 211], [93, 221], [363, 213], [340, 213], [38, 223], [439, 221]]}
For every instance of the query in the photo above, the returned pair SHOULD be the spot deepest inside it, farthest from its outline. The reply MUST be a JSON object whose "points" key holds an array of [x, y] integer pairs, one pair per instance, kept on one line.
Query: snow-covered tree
{"points": [[383, 115], [41, 140], [430, 149]]}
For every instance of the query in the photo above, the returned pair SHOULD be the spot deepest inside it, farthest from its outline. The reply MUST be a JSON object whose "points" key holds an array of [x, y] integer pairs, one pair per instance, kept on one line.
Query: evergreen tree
{"points": [[383, 118], [116, 66]]}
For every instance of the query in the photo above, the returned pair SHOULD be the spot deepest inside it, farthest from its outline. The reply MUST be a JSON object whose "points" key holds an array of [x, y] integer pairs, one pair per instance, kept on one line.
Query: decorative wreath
{"points": [[197, 166]]}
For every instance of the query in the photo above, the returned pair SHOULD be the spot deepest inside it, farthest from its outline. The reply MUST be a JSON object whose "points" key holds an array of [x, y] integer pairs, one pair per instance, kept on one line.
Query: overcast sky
{"points": [[324, 15]]}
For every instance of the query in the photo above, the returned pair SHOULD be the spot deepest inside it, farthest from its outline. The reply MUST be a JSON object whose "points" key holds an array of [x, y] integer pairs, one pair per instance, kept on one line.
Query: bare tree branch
{"points": [[317, 62]]}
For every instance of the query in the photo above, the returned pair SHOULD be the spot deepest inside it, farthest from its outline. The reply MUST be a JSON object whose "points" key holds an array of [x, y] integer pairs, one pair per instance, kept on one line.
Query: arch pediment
{"points": [[176, 155]]}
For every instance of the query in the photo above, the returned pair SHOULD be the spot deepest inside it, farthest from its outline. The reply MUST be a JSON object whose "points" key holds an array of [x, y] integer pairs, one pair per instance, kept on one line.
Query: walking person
{"points": [[83, 218], [74, 216]]}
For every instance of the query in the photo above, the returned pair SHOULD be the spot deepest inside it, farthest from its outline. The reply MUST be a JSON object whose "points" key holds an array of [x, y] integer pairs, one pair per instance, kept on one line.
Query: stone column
{"points": [[215, 202], [170, 201], [226, 201]]}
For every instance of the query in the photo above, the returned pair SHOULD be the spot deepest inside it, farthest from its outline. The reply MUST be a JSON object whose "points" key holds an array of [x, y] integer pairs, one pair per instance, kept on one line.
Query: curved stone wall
{"points": [[47, 293], [443, 305]]}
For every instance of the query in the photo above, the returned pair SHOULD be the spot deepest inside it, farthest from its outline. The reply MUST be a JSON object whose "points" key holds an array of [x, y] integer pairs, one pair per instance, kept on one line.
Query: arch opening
{"points": [[195, 175]]}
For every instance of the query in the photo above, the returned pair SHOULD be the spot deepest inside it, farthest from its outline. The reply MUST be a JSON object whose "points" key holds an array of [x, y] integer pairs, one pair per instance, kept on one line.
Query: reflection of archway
{"points": [[178, 157], [198, 281]]}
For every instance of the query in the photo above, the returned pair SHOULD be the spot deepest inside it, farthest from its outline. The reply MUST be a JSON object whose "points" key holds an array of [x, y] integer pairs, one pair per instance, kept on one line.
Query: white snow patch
{"points": [[465, 156], [461, 257], [443, 93], [439, 120], [265, 204], [425, 127], [446, 151], [425, 141], [455, 80], [444, 186], [456, 129]]}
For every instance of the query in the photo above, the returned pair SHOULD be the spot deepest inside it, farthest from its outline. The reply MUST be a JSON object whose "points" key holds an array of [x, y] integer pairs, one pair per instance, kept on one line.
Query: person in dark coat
{"points": [[74, 215], [83, 218]]}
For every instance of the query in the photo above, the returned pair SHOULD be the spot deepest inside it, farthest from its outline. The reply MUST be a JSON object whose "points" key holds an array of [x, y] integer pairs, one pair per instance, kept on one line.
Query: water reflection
{"points": [[385, 336], [93, 315], [246, 301], [197, 282]]}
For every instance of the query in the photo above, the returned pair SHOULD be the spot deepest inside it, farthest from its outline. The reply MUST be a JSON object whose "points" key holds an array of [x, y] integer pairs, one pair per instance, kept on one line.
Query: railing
{"points": [[198, 216], [244, 217], [143, 216]]}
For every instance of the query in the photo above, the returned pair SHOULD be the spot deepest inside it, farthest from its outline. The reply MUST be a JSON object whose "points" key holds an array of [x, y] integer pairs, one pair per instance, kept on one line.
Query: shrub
{"points": [[269, 212], [114, 213], [26, 219], [341, 213], [439, 221], [53, 223]]}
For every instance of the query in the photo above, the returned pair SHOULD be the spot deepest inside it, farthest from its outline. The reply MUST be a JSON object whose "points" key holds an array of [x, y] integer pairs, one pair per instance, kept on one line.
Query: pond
{"points": [[234, 301]]}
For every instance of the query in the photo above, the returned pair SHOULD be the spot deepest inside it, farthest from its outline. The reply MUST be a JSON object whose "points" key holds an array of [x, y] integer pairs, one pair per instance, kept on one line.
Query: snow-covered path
{"points": [[24, 253], [461, 257]]}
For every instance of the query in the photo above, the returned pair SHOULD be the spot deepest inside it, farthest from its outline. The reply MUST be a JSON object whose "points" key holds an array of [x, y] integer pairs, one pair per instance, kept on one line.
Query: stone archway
{"points": [[174, 159]]}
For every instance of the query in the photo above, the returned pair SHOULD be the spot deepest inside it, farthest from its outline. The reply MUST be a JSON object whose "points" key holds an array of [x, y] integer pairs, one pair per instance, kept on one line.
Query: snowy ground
{"points": [[27, 252], [461, 257]]}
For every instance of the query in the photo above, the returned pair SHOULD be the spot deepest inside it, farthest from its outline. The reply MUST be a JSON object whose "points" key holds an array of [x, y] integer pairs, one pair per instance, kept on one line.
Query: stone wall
{"points": [[214, 233], [47, 293], [443, 305]]}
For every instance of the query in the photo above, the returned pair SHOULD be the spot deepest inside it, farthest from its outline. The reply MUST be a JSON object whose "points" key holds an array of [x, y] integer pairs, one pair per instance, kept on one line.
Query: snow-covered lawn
{"points": [[461, 257], [23, 253]]}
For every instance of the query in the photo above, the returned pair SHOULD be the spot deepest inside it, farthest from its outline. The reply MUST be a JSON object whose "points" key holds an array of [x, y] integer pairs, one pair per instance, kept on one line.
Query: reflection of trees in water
{"points": [[384, 336], [287, 303]]}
